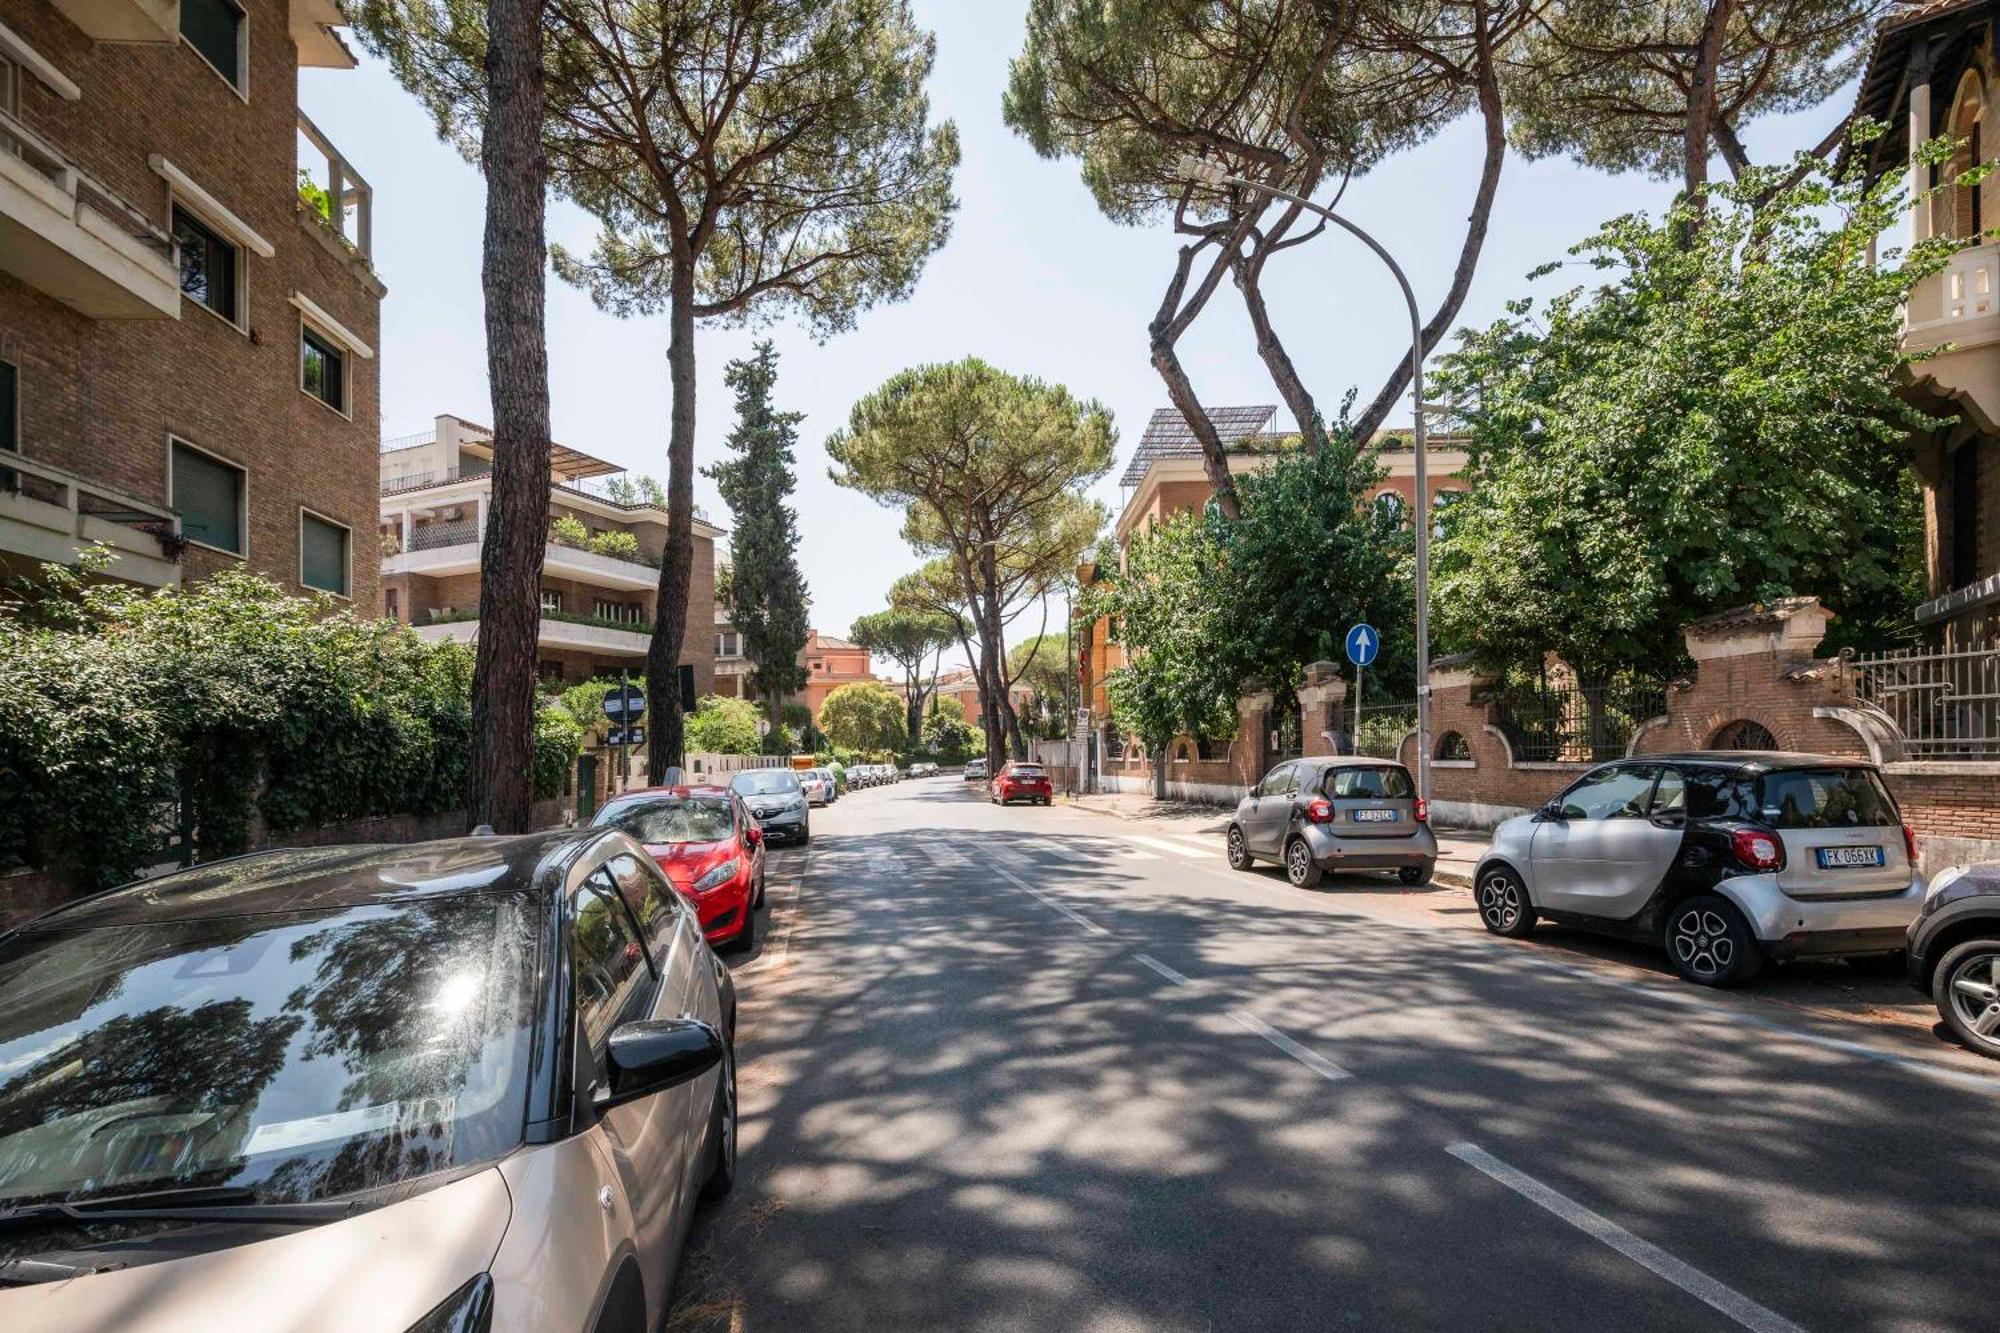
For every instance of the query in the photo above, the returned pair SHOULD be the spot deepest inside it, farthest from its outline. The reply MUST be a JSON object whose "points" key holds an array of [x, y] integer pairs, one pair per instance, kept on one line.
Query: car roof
{"points": [[684, 791], [1761, 761], [1345, 761], [312, 878]]}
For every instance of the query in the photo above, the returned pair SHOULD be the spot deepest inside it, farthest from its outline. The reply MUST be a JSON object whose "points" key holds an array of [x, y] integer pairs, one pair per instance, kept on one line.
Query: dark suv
{"points": [[1727, 858], [1955, 953]]}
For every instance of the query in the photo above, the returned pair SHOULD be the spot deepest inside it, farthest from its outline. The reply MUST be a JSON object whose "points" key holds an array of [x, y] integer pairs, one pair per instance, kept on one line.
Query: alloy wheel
{"points": [[1298, 861], [1238, 853], [1500, 902], [1701, 942], [1975, 995]]}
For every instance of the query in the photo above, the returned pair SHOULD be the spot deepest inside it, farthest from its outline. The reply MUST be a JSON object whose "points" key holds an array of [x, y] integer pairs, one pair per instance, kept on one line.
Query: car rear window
{"points": [[1825, 798], [1028, 771], [1387, 783], [765, 782]]}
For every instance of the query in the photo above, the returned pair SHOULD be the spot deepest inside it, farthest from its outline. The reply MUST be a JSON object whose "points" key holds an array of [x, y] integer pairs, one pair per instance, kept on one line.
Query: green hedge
{"points": [[118, 705]]}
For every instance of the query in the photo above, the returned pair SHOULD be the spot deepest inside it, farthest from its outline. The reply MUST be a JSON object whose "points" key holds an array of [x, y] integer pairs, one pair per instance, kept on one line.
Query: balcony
{"points": [[1961, 305], [332, 195], [49, 515], [64, 234], [124, 20], [557, 630], [436, 550]]}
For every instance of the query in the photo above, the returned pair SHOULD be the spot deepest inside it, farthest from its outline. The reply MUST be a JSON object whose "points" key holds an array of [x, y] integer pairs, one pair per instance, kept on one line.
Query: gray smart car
{"points": [[1334, 813]]}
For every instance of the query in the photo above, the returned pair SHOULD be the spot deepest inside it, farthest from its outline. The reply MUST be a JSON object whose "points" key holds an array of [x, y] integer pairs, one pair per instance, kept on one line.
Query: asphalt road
{"points": [[1040, 1069]]}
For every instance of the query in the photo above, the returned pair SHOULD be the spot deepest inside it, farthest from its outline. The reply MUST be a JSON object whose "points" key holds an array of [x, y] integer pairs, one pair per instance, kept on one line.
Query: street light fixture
{"points": [[1201, 171]]}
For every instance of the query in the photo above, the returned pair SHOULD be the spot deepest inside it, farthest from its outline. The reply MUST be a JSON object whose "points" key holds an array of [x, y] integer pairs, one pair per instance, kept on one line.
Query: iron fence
{"points": [[1379, 728], [433, 536], [1575, 723], [1946, 702]]}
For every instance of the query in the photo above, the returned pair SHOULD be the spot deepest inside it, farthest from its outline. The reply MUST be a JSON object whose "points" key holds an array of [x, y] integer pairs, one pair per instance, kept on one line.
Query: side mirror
{"points": [[1553, 812], [754, 836], [654, 1054]]}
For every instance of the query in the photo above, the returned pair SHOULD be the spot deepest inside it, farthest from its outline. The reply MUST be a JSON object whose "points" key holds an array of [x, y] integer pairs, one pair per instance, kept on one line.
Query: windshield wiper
{"points": [[220, 1203]]}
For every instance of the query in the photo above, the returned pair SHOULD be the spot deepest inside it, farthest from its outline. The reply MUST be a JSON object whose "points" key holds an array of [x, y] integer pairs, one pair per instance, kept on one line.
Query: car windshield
{"points": [[1389, 783], [302, 1055], [765, 782], [663, 819], [1825, 798]]}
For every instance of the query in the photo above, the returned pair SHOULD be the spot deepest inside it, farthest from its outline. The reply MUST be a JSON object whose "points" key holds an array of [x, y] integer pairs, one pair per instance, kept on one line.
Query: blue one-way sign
{"points": [[1363, 643]]}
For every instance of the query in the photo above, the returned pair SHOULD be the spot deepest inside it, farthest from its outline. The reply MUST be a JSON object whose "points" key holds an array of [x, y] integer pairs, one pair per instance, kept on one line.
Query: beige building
{"points": [[600, 578], [188, 307]]}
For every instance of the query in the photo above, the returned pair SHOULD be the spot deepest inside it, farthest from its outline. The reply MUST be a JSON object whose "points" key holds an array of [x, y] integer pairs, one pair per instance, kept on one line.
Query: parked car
{"points": [[975, 770], [1726, 858], [1334, 813], [470, 1084], [1954, 953], [816, 785], [832, 784], [1021, 782], [709, 847], [778, 801]]}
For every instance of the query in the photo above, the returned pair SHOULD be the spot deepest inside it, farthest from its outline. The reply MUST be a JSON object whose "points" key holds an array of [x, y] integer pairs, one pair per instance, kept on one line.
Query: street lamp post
{"points": [[1203, 172]]}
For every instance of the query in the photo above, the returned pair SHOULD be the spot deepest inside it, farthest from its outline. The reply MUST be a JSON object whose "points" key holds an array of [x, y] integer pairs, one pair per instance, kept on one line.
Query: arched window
{"points": [[1966, 217], [1452, 747], [1743, 734], [1390, 509]]}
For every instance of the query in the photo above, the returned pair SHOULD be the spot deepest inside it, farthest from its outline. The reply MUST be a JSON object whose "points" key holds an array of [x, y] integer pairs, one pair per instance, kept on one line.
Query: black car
{"points": [[1954, 953]]}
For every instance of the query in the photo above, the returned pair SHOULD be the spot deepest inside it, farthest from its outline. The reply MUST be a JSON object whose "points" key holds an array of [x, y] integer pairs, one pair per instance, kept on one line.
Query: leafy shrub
{"points": [[617, 544], [723, 726], [568, 530]]}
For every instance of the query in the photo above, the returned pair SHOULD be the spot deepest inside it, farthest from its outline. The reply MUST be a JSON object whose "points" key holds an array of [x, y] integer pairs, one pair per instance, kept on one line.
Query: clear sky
{"points": [[1033, 280]]}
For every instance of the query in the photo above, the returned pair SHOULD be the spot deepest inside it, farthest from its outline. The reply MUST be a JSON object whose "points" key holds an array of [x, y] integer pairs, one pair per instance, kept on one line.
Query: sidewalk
{"points": [[1458, 850]]}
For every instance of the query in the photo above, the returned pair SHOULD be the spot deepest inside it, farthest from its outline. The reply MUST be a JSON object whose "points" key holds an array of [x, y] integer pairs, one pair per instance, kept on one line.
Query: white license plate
{"points": [[1375, 816], [1837, 858]]}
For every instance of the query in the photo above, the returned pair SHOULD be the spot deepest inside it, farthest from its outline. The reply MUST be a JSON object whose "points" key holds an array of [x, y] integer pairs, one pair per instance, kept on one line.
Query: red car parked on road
{"points": [[1021, 782], [710, 848]]}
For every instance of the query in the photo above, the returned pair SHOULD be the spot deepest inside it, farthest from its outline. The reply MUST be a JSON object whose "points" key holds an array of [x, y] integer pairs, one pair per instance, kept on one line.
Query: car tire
{"points": [[1503, 903], [1413, 876], [722, 1164], [758, 900], [746, 938], [1237, 850], [806, 838], [1966, 989], [1709, 942], [1301, 870]]}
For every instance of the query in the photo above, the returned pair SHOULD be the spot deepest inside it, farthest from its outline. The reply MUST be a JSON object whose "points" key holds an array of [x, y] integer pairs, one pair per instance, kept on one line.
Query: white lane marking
{"points": [[949, 857], [1311, 1059], [1641, 1252], [1160, 967], [1161, 844], [1047, 901], [1209, 843], [1134, 854]]}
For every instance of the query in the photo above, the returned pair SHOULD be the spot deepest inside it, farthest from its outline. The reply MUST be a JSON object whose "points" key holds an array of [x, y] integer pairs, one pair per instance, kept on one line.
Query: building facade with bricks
{"points": [[188, 310], [600, 577]]}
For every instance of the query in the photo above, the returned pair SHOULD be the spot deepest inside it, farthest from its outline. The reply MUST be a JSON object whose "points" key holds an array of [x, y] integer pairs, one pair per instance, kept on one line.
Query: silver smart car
{"points": [[477, 1084], [1334, 813]]}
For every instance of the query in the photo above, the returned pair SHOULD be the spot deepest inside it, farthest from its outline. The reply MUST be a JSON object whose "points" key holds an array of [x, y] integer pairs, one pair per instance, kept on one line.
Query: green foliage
{"points": [[316, 200], [948, 735], [722, 725], [767, 592], [864, 716], [1172, 600], [616, 543], [780, 739], [1041, 664], [558, 742], [908, 637], [568, 530], [254, 705], [795, 715], [1717, 424], [627, 488]]}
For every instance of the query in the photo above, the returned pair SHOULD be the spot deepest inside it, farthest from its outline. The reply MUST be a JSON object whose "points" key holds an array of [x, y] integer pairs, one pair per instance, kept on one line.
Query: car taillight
{"points": [[1423, 811], [1320, 811], [1757, 848], [1910, 843]]}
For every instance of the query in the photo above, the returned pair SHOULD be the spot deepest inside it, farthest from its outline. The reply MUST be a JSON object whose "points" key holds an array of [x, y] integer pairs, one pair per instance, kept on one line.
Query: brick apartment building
{"points": [[187, 333], [829, 663], [598, 597]]}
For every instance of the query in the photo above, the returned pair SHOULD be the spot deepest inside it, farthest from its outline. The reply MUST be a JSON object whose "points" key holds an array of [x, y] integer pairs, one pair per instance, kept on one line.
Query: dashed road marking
{"points": [[1644, 1253], [1161, 844], [1305, 1055], [1149, 961], [1046, 900]]}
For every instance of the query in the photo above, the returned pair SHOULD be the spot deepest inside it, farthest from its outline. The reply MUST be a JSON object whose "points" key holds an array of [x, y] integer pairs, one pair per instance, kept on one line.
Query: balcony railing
{"points": [[1968, 289], [436, 536], [418, 481], [333, 193], [1946, 702], [55, 513]]}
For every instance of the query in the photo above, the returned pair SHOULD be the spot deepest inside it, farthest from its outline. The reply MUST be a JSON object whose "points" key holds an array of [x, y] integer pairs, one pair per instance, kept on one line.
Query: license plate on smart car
{"points": [[1375, 816], [1836, 858]]}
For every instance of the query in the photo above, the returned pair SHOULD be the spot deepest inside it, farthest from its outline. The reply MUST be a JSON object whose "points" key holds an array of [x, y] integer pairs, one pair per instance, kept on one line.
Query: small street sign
{"points": [[1083, 719], [626, 736], [1363, 644], [625, 703]]}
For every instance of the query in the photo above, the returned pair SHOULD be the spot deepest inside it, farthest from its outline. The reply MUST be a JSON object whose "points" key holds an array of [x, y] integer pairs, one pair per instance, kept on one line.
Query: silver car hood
{"points": [[382, 1270]]}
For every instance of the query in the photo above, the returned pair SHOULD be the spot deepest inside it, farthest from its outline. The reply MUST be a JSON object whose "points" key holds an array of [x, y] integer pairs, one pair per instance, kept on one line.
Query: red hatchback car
{"points": [[1022, 782], [710, 848]]}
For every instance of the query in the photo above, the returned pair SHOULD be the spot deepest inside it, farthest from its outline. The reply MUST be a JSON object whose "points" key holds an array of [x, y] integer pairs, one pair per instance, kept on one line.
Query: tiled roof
{"points": [[1922, 11], [1882, 82], [1169, 436]]}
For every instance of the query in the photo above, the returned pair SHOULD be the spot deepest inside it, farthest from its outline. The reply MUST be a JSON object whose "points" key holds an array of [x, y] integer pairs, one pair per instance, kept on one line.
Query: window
{"points": [[1377, 784], [10, 408], [1825, 798], [322, 553], [210, 265], [1610, 793], [551, 600], [728, 644], [322, 368], [215, 29], [609, 965], [1388, 507], [391, 603], [1964, 551], [549, 671], [1452, 747], [645, 891], [10, 87], [1280, 781], [208, 494], [1670, 797]]}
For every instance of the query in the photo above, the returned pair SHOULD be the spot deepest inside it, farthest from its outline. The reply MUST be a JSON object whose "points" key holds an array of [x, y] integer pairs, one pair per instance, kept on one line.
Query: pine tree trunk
{"points": [[500, 790], [665, 739]]}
